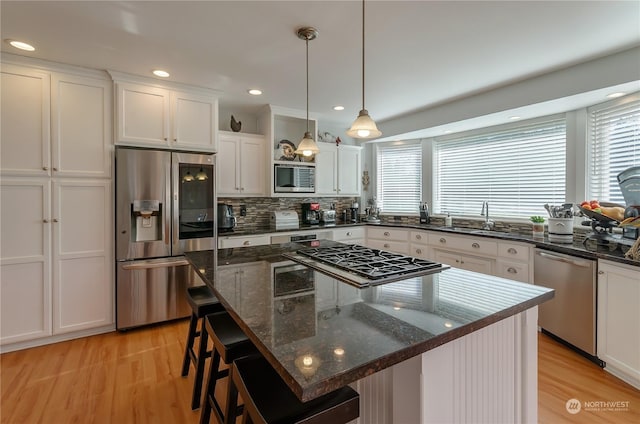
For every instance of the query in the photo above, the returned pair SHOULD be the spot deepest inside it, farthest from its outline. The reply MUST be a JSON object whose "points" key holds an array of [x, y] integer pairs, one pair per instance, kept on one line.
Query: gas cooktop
{"points": [[362, 266]]}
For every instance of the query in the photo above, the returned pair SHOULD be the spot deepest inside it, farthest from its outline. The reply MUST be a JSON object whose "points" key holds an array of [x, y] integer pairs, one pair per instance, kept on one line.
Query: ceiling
{"points": [[418, 53]]}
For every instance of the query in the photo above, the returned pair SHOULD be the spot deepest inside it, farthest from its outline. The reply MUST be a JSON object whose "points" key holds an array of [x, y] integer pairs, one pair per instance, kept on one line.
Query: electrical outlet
{"points": [[243, 210]]}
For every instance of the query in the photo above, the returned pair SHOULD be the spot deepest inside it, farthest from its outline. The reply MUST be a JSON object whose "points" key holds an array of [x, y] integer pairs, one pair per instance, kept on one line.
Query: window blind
{"points": [[614, 137], [516, 169], [399, 178]]}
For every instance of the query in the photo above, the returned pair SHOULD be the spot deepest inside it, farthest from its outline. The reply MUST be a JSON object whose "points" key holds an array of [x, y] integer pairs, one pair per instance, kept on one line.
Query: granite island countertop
{"points": [[328, 333]]}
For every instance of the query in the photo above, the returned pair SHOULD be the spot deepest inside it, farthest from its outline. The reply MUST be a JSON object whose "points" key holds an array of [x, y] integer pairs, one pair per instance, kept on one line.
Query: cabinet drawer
{"points": [[515, 251], [388, 234], [349, 234], [474, 245], [421, 251], [419, 237], [513, 270], [228, 242], [391, 246]]}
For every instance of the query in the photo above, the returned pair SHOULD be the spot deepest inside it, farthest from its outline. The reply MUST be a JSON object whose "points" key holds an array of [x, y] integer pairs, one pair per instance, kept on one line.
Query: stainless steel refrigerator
{"points": [[165, 206]]}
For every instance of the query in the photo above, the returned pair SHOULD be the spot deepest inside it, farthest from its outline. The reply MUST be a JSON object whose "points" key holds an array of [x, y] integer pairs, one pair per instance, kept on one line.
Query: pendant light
{"points": [[187, 178], [363, 127], [307, 146], [201, 175]]}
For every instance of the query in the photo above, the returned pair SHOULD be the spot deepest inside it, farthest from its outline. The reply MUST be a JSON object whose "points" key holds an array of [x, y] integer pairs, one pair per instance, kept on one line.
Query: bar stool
{"points": [[267, 398], [202, 302], [229, 343]]}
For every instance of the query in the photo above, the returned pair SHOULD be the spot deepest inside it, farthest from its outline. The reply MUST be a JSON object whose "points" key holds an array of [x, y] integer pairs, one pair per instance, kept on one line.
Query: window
{"points": [[399, 178], [517, 169], [614, 135]]}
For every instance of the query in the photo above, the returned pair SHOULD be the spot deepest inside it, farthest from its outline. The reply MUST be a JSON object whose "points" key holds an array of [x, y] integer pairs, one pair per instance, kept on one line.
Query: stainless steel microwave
{"points": [[291, 178]]}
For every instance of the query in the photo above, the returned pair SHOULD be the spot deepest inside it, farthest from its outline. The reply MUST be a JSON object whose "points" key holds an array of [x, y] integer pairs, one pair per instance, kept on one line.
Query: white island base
{"points": [[488, 376]]}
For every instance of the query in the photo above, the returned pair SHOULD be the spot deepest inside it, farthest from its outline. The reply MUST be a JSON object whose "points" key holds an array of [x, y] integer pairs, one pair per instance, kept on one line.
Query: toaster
{"points": [[328, 217]]}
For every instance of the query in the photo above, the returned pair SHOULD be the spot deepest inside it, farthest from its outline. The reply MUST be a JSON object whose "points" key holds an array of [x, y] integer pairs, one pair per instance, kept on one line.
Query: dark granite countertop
{"points": [[577, 248], [343, 333]]}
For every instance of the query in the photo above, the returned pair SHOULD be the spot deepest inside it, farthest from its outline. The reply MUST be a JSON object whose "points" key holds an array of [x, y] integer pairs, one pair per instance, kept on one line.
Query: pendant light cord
{"points": [[363, 54], [307, 44]]}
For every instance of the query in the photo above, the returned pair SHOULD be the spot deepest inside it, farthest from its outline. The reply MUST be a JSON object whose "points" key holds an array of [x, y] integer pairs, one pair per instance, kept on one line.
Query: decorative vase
{"points": [[538, 229]]}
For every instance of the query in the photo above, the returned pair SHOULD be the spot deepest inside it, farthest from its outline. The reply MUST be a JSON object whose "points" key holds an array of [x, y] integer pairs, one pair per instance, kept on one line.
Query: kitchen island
{"points": [[451, 346]]}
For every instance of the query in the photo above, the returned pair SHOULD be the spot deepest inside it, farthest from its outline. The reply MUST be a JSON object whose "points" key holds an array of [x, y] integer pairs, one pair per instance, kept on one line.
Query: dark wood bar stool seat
{"points": [[268, 400], [229, 343], [202, 302]]}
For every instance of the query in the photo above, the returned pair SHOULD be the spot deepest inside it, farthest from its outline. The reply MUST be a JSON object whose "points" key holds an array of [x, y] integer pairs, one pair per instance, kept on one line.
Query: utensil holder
{"points": [[560, 230]]}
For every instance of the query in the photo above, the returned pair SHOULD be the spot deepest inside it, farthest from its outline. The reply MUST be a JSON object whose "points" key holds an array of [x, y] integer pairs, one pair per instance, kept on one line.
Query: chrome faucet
{"points": [[489, 224]]}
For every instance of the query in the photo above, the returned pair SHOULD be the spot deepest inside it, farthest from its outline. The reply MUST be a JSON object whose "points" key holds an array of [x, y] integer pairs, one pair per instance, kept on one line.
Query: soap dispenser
{"points": [[448, 222]]}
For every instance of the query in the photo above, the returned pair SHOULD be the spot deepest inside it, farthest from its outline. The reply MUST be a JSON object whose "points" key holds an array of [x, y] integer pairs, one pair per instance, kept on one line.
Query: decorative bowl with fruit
{"points": [[603, 211]]}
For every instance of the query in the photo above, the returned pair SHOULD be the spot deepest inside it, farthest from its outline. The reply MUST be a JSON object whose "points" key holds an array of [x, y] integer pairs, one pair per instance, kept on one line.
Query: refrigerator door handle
{"points": [[137, 265]]}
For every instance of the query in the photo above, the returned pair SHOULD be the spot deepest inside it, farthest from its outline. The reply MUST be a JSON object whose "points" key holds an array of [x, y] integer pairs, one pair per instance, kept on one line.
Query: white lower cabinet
{"points": [[419, 246], [350, 235], [56, 264], [391, 239], [619, 320], [227, 242], [470, 263]]}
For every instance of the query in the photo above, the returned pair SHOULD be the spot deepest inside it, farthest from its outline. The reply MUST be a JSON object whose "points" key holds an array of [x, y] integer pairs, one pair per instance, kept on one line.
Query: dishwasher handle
{"points": [[576, 262]]}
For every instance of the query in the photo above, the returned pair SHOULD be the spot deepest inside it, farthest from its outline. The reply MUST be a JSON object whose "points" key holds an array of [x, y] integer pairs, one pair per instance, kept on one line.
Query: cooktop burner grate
{"points": [[370, 263]]}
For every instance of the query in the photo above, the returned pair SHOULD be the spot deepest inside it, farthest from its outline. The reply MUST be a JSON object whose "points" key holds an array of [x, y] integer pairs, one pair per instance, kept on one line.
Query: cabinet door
{"points": [[194, 121], [252, 166], [142, 115], [227, 161], [513, 270], [81, 126], [82, 257], [619, 320], [348, 171], [326, 165], [25, 282], [470, 263], [25, 130]]}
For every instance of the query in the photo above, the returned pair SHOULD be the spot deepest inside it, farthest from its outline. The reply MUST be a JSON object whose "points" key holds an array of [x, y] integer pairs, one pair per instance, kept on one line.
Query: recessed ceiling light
{"points": [[338, 108], [614, 95], [514, 118], [21, 45], [254, 92], [160, 73]]}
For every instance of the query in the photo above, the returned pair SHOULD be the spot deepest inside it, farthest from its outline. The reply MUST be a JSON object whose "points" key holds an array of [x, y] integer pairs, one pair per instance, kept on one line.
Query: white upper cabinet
{"points": [[157, 117], [55, 124], [338, 170], [241, 164], [25, 114]]}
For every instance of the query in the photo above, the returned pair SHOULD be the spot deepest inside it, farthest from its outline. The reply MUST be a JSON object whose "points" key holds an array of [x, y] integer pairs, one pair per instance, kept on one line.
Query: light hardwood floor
{"points": [[134, 377]]}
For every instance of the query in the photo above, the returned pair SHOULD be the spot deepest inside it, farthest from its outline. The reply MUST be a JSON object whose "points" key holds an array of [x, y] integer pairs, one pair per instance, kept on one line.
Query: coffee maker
{"points": [[311, 213], [354, 211], [424, 213], [629, 182]]}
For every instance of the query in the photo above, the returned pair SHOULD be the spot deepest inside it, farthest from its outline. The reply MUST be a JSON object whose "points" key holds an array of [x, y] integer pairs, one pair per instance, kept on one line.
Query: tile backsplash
{"points": [[259, 209]]}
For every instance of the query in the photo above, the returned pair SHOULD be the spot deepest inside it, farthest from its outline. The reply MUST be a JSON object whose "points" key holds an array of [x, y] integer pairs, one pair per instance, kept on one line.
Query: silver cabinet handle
{"points": [[419, 251], [475, 245], [461, 262], [175, 139], [512, 251], [512, 270], [46, 221], [418, 237], [386, 233], [386, 245], [443, 240], [55, 220], [54, 168], [600, 272], [165, 139], [247, 243], [44, 168], [348, 233]]}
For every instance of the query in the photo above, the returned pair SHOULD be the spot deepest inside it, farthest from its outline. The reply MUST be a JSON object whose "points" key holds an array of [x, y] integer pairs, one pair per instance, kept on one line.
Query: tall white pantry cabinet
{"points": [[56, 203]]}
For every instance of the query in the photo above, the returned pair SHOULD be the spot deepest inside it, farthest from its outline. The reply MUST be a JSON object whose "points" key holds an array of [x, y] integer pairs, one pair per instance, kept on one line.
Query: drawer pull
{"points": [[386, 245], [386, 233], [418, 237], [46, 221], [44, 168], [475, 246], [419, 251], [348, 233], [512, 270], [247, 243], [512, 251], [443, 240]]}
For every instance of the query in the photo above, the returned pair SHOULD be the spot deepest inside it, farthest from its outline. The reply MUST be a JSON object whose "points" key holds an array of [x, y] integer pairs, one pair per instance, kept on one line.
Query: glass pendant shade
{"points": [[201, 175], [364, 127], [187, 177], [307, 146]]}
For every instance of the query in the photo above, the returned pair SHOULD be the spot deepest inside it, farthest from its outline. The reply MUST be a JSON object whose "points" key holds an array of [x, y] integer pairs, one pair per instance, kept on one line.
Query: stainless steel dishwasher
{"points": [[571, 314]]}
